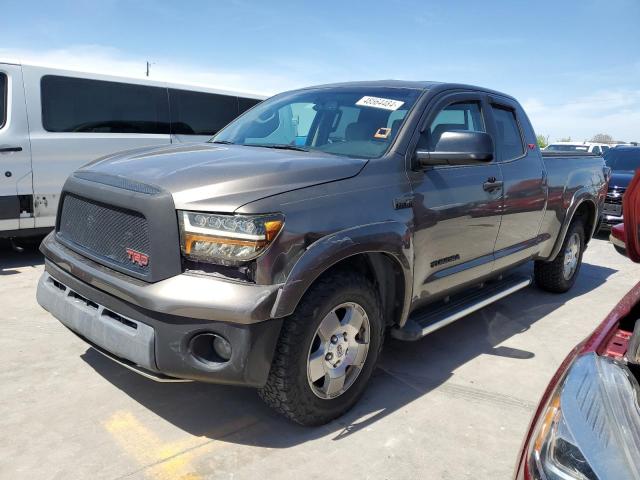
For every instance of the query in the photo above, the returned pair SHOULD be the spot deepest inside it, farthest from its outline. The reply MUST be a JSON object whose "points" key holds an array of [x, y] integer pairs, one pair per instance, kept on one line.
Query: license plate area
{"points": [[612, 209]]}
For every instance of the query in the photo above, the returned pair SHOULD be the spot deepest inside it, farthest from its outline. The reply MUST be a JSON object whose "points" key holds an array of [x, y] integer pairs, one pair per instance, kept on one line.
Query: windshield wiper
{"points": [[280, 146], [223, 142]]}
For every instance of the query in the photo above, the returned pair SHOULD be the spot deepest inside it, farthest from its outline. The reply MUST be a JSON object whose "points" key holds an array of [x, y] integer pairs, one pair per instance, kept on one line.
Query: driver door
{"points": [[457, 209], [16, 187]]}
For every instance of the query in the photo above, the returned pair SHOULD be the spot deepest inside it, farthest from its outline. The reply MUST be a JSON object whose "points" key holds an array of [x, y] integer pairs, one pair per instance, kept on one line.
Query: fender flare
{"points": [[390, 237], [579, 197]]}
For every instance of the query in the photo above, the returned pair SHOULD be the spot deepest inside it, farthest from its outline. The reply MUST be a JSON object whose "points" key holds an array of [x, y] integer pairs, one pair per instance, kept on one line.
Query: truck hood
{"points": [[222, 178], [620, 179]]}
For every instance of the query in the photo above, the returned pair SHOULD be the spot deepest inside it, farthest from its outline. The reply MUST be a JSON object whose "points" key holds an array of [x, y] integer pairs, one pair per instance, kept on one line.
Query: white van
{"points": [[590, 147], [53, 121]]}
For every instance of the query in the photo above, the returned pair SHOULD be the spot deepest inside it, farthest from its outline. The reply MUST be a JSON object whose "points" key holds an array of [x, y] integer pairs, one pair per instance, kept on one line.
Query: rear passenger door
{"points": [[15, 156], [75, 120], [525, 187]]}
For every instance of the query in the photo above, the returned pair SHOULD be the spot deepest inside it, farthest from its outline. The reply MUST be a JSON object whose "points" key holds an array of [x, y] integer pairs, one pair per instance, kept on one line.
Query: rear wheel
{"points": [[559, 275], [327, 350]]}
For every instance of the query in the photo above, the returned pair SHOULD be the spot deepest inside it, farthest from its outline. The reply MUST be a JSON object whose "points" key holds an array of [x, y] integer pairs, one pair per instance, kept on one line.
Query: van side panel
{"points": [[15, 152]]}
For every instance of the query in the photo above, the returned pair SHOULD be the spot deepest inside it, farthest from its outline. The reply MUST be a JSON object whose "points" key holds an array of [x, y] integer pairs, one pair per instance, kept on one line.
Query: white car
{"points": [[590, 147], [53, 121]]}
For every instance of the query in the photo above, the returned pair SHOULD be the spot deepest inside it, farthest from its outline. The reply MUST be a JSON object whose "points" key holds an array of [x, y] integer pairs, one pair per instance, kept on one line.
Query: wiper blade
{"points": [[280, 146], [223, 142]]}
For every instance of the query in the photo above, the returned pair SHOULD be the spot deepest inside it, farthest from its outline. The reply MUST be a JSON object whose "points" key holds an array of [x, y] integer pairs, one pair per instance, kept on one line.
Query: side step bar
{"points": [[437, 316]]}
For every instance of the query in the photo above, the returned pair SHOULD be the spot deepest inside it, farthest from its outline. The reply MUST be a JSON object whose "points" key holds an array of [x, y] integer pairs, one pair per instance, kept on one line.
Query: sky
{"points": [[574, 64]]}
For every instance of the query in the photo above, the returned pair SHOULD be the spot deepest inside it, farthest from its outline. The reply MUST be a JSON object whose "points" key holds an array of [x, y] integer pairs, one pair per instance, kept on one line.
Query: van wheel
{"points": [[327, 350], [559, 275]]}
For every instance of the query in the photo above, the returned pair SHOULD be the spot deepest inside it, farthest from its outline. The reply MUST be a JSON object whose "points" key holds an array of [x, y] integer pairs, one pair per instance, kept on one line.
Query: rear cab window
{"points": [[3, 99], [80, 105], [508, 135]]}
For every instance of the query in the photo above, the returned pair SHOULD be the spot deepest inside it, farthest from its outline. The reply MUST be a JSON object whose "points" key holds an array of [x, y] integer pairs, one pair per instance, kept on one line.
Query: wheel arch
{"points": [[382, 252], [584, 207]]}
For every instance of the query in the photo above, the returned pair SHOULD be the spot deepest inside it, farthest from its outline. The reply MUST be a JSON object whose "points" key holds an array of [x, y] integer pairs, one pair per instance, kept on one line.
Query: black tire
{"points": [[550, 276], [288, 389]]}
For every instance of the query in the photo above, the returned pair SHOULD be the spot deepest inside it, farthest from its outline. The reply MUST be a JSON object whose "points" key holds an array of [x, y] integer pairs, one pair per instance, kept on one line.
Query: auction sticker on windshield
{"points": [[377, 102]]}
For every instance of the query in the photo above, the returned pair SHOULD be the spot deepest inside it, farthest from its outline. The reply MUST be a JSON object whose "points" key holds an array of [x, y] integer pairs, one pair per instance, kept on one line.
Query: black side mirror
{"points": [[458, 148]]}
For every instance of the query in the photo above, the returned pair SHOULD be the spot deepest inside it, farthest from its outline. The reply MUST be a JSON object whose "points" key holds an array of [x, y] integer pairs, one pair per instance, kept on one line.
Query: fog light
{"points": [[222, 347], [210, 348]]}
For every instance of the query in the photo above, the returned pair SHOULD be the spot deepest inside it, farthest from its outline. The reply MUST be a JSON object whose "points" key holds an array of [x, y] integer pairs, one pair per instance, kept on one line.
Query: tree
{"points": [[565, 139], [602, 138], [542, 141]]}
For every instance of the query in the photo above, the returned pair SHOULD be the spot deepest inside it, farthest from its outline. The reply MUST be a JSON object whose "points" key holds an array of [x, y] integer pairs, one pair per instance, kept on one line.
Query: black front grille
{"points": [[615, 196], [104, 231]]}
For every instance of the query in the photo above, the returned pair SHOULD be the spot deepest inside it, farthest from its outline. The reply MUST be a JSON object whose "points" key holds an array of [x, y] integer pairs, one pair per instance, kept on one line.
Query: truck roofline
{"points": [[433, 86]]}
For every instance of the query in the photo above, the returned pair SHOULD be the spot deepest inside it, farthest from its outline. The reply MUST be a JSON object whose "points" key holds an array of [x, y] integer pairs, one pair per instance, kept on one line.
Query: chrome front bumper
{"points": [[121, 336]]}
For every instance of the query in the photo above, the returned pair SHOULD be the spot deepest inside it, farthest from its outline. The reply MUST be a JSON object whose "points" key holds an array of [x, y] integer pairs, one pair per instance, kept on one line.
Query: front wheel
{"points": [[327, 350], [559, 275]]}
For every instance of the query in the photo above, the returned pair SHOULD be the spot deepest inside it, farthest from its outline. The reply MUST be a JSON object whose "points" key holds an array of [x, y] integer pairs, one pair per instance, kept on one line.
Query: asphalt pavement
{"points": [[454, 405]]}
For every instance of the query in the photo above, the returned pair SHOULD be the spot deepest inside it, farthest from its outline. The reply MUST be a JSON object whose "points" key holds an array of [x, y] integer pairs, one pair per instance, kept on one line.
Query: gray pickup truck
{"points": [[278, 254]]}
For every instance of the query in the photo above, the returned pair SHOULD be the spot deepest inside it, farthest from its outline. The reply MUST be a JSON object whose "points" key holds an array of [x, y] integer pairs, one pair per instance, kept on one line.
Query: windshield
{"points": [[358, 122], [567, 148], [623, 159]]}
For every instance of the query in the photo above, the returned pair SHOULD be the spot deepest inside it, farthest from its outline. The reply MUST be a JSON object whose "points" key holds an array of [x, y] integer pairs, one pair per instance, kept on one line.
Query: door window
{"points": [[460, 116], [597, 150], [3, 99], [508, 137], [84, 105]]}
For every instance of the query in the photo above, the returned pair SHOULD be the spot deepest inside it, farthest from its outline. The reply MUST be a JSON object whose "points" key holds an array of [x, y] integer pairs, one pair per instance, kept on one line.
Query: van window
{"points": [[509, 140], [83, 105], [3, 99], [246, 103], [197, 113]]}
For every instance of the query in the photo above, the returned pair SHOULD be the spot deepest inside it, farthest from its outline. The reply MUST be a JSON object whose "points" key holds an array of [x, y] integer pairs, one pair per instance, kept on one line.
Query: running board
{"points": [[432, 318]]}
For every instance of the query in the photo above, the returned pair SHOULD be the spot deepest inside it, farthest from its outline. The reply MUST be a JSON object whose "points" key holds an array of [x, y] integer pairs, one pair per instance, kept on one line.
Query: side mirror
{"points": [[458, 148]]}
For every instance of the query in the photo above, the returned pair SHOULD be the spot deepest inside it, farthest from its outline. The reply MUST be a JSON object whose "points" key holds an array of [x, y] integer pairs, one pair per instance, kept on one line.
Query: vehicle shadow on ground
{"points": [[406, 372], [11, 260], [602, 234]]}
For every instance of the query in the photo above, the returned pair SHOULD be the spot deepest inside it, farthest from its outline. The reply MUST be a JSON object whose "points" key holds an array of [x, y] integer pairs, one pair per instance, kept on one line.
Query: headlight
{"points": [[226, 239], [591, 426]]}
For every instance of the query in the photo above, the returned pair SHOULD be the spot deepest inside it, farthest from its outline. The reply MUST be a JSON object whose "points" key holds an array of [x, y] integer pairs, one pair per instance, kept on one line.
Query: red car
{"points": [[587, 425]]}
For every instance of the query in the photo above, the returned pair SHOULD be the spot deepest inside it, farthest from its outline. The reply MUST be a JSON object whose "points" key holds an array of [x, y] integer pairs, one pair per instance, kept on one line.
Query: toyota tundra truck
{"points": [[279, 254]]}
